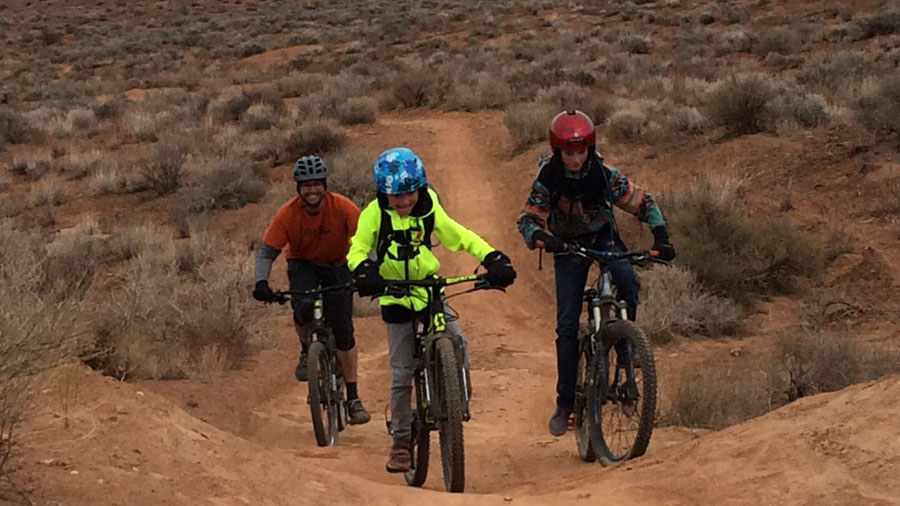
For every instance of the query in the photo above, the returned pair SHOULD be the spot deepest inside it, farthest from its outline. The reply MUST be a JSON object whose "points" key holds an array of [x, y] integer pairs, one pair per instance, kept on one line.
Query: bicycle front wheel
{"points": [[583, 438], [420, 446], [622, 394], [451, 416], [322, 408]]}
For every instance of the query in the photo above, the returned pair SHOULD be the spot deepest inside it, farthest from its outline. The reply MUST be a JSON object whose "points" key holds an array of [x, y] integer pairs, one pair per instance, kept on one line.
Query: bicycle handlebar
{"points": [[286, 295], [635, 257], [399, 287]]}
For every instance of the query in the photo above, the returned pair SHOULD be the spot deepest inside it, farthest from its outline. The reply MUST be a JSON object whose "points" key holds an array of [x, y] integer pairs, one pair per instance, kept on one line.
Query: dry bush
{"points": [[159, 326], [230, 108], [675, 303], [113, 180], [880, 110], [632, 120], [571, 96], [740, 105], [716, 395], [416, 85], [635, 43], [889, 205], [36, 332], [161, 175], [297, 84], [735, 41], [143, 126], [816, 361], [227, 182], [50, 193], [481, 90], [14, 128], [357, 110], [779, 40], [81, 122], [108, 109], [735, 255], [688, 120], [311, 137], [528, 123], [350, 173], [834, 72], [259, 117], [36, 169], [882, 23], [79, 166], [797, 105]]}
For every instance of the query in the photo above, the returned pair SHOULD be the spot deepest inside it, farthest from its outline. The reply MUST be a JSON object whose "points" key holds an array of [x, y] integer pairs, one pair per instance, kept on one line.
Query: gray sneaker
{"points": [[300, 371], [559, 421], [358, 414]]}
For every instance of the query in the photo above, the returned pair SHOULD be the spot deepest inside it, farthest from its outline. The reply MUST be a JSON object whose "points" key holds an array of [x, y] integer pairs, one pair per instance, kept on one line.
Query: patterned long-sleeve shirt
{"points": [[573, 204]]}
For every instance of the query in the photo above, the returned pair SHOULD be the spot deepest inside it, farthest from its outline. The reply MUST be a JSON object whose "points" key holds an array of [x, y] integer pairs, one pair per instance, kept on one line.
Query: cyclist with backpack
{"points": [[317, 225], [397, 226], [571, 200]]}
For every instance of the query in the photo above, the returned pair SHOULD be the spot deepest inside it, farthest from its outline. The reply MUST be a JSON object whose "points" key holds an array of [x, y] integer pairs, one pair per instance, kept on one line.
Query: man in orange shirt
{"points": [[317, 225]]}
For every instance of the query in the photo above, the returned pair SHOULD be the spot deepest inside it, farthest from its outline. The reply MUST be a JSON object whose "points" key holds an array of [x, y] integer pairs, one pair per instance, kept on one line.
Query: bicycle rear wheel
{"points": [[622, 394], [322, 407], [582, 427], [450, 415]]}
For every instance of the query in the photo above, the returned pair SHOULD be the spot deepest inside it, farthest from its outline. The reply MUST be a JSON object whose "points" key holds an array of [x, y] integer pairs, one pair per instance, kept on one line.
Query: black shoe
{"points": [[358, 414], [300, 371]]}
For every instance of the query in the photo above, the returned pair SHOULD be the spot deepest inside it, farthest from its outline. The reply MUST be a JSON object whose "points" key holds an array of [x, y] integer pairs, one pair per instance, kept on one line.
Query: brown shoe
{"points": [[400, 460]]}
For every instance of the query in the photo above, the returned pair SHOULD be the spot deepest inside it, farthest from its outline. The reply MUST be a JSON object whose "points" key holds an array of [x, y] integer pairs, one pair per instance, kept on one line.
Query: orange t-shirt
{"points": [[321, 238]]}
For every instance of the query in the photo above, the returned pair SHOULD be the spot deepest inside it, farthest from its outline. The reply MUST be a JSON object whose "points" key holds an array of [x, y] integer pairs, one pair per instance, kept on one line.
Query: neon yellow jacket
{"points": [[423, 264]]}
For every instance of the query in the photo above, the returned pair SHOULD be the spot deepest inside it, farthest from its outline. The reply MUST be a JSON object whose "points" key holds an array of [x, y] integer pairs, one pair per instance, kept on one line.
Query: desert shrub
{"points": [[569, 96], [350, 173], [143, 126], [815, 361], [840, 11], [715, 396], [356, 110], [160, 327], [82, 122], [882, 23], [836, 70], [635, 44], [779, 40], [50, 193], [735, 41], [479, 91], [528, 122], [36, 169], [735, 255], [162, 172], [674, 302], [311, 137], [80, 165], [880, 110], [259, 117], [889, 204], [108, 109], [416, 85], [223, 183], [688, 120], [251, 48], [230, 108], [625, 125], [14, 128], [298, 84], [740, 104], [795, 104]]}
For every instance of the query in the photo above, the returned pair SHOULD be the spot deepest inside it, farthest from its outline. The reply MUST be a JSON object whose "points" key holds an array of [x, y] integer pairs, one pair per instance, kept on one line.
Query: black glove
{"points": [[500, 272], [263, 293], [552, 243], [368, 280], [661, 243]]}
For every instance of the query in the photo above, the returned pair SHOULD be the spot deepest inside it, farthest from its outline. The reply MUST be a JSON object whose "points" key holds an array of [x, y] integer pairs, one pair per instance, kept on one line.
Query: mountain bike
{"points": [[615, 396], [326, 396], [440, 390]]}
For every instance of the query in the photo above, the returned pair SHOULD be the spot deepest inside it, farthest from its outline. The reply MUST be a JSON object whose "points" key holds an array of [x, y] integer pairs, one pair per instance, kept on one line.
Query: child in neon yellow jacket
{"points": [[397, 226]]}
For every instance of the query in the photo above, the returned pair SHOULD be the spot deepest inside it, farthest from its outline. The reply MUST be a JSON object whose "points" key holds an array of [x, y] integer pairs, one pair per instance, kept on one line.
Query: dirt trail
{"points": [[246, 439]]}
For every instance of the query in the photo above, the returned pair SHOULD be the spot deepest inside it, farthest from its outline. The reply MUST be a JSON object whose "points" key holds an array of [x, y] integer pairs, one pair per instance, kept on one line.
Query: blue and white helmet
{"points": [[398, 171]]}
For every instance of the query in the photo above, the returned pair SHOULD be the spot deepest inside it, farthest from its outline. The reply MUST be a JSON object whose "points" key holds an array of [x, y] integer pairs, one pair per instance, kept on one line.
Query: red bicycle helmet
{"points": [[572, 130]]}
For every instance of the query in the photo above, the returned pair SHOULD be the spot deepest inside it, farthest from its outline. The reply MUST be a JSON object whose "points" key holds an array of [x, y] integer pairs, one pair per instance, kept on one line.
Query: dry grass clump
{"points": [[35, 169], [735, 255], [889, 205], [82, 122], [674, 302], [735, 41], [880, 110], [50, 193], [739, 105], [779, 40], [882, 23], [716, 395], [834, 73], [529, 122], [311, 137], [415, 85], [816, 361], [231, 108], [14, 128], [350, 174], [114, 180], [688, 120], [162, 173], [160, 326], [79, 166], [227, 182]]}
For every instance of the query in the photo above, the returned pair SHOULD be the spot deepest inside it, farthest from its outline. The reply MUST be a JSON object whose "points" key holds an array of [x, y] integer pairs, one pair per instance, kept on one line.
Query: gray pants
{"points": [[401, 339]]}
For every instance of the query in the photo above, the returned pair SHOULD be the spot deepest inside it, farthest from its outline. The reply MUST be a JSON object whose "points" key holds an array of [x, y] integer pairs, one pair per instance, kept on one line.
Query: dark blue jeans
{"points": [[571, 277]]}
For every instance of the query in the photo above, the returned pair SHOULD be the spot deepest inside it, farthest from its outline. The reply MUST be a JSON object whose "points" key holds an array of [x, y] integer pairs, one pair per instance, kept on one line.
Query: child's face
{"points": [[404, 202], [573, 160]]}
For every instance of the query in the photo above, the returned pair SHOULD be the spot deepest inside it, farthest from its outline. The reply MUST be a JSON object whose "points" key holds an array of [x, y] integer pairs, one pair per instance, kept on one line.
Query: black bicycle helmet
{"points": [[309, 168]]}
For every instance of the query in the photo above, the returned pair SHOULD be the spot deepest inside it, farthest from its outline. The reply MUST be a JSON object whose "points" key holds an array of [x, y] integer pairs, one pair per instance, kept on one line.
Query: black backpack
{"points": [[387, 234]]}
